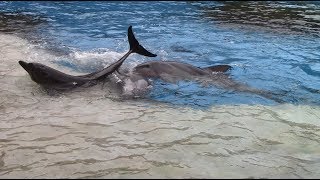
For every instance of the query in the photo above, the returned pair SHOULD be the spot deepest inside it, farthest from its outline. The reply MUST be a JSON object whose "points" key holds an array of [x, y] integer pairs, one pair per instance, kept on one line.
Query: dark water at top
{"points": [[273, 46]]}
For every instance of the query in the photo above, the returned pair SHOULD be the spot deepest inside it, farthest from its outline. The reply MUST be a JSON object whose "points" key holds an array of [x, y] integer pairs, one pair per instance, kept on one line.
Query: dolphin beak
{"points": [[24, 65]]}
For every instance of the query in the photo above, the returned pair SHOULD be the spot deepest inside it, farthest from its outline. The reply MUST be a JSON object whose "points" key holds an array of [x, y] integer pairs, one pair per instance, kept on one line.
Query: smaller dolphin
{"points": [[172, 71], [52, 78], [140, 79], [177, 70]]}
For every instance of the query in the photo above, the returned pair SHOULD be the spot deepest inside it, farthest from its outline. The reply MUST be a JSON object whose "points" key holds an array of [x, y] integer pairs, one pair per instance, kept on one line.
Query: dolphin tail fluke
{"points": [[271, 95], [136, 47]]}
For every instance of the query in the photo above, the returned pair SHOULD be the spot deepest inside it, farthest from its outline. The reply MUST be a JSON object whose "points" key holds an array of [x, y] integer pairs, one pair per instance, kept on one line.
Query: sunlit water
{"points": [[179, 130]]}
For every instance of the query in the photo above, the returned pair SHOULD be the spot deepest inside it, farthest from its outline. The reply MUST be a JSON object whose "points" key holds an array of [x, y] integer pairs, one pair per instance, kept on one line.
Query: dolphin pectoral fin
{"points": [[218, 68], [136, 47], [271, 95]]}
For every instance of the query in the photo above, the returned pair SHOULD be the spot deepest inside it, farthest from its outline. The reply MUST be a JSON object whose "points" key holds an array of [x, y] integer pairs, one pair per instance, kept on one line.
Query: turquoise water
{"points": [[271, 46]]}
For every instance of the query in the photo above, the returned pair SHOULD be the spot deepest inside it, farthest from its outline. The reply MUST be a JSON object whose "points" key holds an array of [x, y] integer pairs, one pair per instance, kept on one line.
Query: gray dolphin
{"points": [[172, 71], [52, 78], [176, 70]]}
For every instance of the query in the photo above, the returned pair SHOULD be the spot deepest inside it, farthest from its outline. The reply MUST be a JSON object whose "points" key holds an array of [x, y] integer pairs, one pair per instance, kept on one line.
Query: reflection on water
{"points": [[283, 17], [19, 22]]}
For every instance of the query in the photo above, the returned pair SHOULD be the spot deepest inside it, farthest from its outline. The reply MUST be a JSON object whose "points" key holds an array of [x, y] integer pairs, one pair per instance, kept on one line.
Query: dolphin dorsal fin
{"points": [[218, 68]]}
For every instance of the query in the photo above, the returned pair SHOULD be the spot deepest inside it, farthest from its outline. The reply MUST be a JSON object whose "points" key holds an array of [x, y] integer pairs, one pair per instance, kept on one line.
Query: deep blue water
{"points": [[273, 46]]}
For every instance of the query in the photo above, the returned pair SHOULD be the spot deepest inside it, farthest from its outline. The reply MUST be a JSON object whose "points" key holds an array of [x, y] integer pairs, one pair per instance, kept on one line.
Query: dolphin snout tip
{"points": [[24, 65]]}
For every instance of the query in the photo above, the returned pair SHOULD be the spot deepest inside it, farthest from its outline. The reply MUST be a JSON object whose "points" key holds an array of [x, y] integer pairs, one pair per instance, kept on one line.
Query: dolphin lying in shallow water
{"points": [[172, 71], [159, 69], [52, 78], [169, 71]]}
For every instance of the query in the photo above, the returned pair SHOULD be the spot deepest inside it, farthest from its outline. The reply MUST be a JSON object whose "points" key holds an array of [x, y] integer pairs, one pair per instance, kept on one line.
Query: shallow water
{"points": [[178, 130]]}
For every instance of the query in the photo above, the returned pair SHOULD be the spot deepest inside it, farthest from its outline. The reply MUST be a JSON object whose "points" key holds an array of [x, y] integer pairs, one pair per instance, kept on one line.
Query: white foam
{"points": [[103, 57], [96, 54], [98, 57], [136, 88]]}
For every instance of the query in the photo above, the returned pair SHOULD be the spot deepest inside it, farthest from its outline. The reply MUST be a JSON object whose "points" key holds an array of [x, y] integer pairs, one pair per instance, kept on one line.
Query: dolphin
{"points": [[142, 75], [176, 70], [52, 78]]}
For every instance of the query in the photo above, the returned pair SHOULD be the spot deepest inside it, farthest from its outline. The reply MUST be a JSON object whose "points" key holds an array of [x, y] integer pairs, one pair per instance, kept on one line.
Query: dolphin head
{"points": [[135, 85], [37, 72], [26, 66], [146, 70]]}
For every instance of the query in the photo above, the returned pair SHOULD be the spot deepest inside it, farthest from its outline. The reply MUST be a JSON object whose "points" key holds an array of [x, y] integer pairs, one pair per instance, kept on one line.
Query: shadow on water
{"points": [[282, 17]]}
